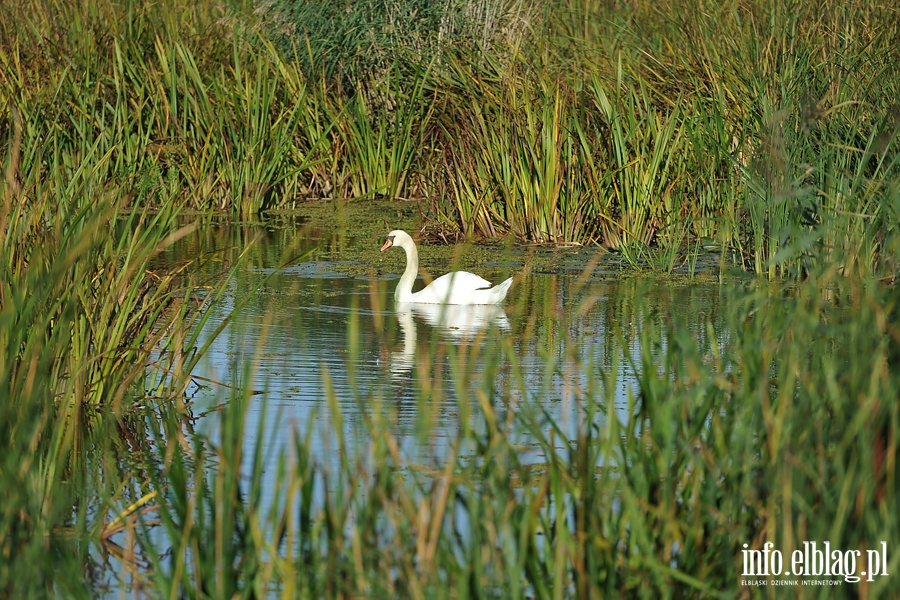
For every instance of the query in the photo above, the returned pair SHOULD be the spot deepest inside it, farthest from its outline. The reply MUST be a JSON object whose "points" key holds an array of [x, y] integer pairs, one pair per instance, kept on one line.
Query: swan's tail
{"points": [[500, 290]]}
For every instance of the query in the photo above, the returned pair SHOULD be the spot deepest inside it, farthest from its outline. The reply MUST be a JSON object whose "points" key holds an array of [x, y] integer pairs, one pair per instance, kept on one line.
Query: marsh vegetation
{"points": [[756, 141]]}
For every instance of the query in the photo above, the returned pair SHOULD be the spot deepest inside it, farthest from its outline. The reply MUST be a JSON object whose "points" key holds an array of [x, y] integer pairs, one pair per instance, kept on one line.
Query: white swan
{"points": [[459, 287]]}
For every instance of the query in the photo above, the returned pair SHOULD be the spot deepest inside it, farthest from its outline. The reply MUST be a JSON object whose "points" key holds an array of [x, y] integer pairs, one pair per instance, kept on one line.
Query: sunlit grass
{"points": [[94, 332], [639, 129]]}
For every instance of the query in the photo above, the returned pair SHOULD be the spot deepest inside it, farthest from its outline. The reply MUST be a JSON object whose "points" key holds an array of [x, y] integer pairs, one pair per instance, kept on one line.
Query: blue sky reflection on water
{"points": [[559, 339]]}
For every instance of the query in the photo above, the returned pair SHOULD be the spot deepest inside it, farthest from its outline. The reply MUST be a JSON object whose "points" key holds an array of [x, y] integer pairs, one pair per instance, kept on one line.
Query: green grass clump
{"points": [[765, 130], [94, 330]]}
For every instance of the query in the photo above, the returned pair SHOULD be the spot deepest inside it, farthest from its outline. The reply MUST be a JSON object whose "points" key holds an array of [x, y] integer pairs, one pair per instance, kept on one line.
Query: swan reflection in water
{"points": [[458, 322]]}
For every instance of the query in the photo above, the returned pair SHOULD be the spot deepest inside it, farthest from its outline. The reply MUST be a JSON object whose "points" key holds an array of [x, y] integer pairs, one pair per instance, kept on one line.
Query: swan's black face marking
{"points": [[388, 243]]}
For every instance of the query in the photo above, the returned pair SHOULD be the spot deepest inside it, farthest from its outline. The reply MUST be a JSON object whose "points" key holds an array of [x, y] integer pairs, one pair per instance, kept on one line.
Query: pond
{"points": [[324, 344]]}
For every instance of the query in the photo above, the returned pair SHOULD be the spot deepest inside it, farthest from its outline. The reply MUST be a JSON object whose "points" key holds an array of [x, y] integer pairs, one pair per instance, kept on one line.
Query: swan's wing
{"points": [[452, 288], [462, 280]]}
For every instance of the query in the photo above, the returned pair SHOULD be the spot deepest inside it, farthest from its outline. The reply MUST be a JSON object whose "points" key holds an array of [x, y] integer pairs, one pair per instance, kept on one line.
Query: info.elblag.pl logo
{"points": [[816, 560]]}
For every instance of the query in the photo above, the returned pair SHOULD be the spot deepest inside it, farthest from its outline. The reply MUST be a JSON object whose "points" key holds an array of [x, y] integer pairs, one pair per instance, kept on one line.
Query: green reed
{"points": [[89, 322], [759, 425], [383, 134], [95, 329], [648, 130], [644, 145]]}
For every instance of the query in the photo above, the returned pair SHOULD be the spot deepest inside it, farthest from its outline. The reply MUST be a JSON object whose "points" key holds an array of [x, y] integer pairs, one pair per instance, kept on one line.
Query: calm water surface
{"points": [[329, 352], [326, 327]]}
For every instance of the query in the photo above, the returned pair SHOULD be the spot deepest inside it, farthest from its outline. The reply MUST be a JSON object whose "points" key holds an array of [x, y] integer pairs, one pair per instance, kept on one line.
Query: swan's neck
{"points": [[404, 288]]}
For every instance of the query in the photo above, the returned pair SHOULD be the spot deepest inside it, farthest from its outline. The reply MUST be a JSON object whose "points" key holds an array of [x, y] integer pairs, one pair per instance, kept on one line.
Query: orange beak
{"points": [[387, 244]]}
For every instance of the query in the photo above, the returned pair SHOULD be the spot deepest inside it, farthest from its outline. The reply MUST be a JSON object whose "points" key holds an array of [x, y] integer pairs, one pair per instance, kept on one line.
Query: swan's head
{"points": [[397, 237]]}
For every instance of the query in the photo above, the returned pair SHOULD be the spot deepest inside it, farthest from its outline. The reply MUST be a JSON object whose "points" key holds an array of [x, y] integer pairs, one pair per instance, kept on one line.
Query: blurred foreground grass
{"points": [[781, 427]]}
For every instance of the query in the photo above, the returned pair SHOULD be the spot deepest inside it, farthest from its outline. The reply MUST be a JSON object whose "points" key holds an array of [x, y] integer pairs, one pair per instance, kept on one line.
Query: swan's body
{"points": [[458, 287]]}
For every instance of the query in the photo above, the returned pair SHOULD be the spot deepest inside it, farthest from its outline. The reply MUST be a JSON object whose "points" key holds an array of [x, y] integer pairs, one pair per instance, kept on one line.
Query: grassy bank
{"points": [[95, 334], [768, 131]]}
